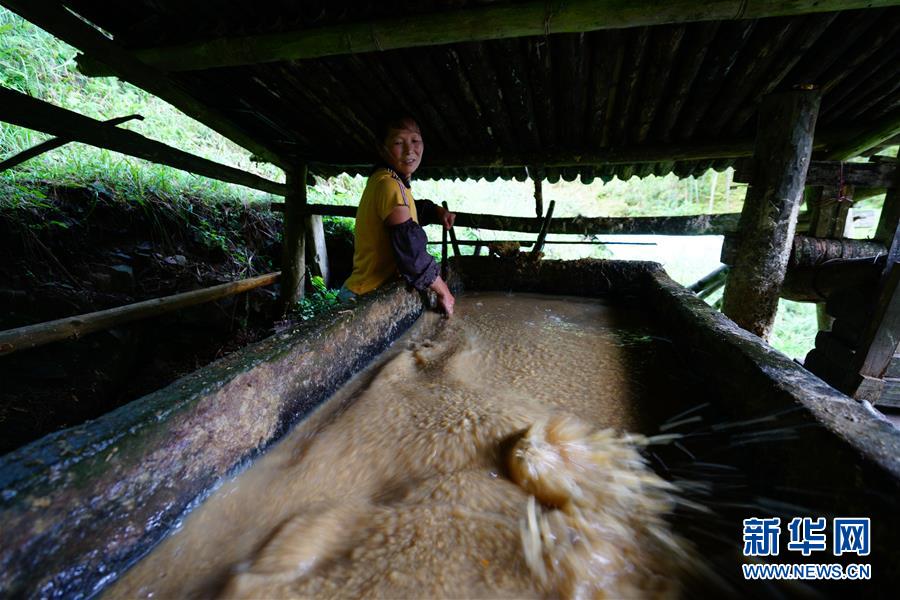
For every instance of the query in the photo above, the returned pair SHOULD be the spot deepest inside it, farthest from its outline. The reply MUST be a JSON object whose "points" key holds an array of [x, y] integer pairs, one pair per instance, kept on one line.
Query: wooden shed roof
{"points": [[679, 96]]}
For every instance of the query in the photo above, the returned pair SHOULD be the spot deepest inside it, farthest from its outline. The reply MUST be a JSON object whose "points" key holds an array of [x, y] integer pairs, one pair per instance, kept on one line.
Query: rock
{"points": [[121, 278]]}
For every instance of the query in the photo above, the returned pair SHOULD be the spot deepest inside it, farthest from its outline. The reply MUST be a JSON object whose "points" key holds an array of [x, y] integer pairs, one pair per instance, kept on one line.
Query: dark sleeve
{"points": [[416, 266], [427, 211]]}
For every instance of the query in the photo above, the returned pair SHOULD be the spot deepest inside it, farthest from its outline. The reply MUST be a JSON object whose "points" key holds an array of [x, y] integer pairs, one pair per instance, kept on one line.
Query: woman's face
{"points": [[403, 148]]}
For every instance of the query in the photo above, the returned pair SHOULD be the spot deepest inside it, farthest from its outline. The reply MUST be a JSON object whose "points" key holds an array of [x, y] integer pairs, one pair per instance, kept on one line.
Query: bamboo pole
{"points": [[54, 143], [31, 336], [452, 234], [66, 25], [23, 110], [468, 25], [545, 227], [718, 224]]}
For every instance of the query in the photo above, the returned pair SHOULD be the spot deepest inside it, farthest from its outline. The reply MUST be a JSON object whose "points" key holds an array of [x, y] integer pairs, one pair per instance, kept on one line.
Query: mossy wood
{"points": [[769, 216], [23, 110], [79, 506], [834, 173], [31, 336], [808, 251]]}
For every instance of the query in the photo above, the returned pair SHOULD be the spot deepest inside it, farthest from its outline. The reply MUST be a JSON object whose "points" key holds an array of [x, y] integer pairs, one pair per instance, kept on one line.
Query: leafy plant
{"points": [[320, 300]]}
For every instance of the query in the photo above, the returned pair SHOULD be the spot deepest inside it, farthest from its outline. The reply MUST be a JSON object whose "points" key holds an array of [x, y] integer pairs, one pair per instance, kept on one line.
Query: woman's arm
{"points": [[416, 266], [431, 214]]}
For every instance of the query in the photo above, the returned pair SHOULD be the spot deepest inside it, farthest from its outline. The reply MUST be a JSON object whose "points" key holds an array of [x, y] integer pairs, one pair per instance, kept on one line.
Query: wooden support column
{"points": [[829, 210], [769, 218], [293, 254], [316, 252], [890, 211], [538, 194]]}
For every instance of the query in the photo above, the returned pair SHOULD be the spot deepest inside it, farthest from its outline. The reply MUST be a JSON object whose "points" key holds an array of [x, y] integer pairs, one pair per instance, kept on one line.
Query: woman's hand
{"points": [[445, 217], [445, 299]]}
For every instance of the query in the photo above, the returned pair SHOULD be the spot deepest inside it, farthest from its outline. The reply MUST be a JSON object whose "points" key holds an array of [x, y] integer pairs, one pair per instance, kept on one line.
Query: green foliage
{"points": [[34, 62], [341, 227], [795, 328], [320, 300]]}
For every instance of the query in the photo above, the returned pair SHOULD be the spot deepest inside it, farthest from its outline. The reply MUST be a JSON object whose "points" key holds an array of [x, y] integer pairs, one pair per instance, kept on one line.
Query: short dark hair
{"points": [[390, 121]]}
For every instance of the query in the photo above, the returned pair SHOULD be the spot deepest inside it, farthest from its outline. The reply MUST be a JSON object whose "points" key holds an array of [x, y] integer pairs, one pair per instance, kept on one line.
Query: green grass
{"points": [[34, 62]]}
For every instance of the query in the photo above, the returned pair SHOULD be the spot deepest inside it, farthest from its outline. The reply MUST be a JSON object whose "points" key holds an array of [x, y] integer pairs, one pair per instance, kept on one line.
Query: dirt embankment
{"points": [[79, 250]]}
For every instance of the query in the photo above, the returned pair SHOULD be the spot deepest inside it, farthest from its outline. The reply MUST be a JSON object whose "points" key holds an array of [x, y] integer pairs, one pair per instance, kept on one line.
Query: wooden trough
{"points": [[80, 506]]}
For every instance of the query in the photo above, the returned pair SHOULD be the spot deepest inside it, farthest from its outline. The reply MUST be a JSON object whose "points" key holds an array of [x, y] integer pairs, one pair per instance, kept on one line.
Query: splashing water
{"points": [[484, 456]]}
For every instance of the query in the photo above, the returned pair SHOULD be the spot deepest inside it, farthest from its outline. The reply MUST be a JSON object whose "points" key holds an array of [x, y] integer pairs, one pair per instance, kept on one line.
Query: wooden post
{"points": [[456, 250], [545, 228], [538, 194], [293, 254], [890, 211], [829, 210], [769, 217], [317, 254], [729, 177]]}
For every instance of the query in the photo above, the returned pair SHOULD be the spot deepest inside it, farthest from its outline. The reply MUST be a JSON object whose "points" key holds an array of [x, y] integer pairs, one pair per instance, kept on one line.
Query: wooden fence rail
{"points": [[31, 336]]}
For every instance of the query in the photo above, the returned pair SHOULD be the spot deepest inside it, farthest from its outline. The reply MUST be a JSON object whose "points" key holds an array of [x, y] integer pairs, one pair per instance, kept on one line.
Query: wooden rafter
{"points": [[842, 147], [54, 143], [472, 24], [65, 25], [21, 109]]}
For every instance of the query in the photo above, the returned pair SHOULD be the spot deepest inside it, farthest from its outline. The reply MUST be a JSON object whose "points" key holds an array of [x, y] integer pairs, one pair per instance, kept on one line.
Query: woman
{"points": [[389, 236]]}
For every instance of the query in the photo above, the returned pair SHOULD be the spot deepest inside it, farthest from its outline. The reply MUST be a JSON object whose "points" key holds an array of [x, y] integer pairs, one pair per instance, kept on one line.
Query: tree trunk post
{"points": [[769, 218], [293, 254], [316, 252], [890, 211]]}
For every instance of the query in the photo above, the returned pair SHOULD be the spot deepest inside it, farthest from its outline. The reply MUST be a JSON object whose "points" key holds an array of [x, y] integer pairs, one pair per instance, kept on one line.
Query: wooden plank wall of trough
{"points": [[841, 456], [79, 506]]}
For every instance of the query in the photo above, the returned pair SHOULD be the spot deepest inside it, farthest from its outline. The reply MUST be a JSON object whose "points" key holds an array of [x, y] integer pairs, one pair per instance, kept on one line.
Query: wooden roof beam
{"points": [[59, 21], [23, 110], [612, 156], [842, 147], [53, 144], [470, 24]]}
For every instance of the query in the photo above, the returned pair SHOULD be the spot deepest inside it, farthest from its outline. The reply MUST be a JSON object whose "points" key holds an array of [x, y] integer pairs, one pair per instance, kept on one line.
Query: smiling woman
{"points": [[389, 236]]}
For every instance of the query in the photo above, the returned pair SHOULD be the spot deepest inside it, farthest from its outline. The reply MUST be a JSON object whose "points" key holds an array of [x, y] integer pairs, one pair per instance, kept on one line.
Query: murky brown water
{"points": [[411, 483]]}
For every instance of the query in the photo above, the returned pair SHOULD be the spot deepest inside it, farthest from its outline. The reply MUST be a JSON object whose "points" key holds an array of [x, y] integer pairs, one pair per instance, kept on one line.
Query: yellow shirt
{"points": [[373, 255]]}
